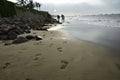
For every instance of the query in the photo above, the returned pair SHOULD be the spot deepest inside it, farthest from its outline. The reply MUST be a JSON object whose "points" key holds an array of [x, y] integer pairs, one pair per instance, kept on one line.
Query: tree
{"points": [[22, 2], [37, 5], [30, 5]]}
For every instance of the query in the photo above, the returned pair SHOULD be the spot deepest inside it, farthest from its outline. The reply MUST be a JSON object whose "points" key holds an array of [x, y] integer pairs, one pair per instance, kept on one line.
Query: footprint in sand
{"points": [[51, 38], [38, 54], [64, 64], [36, 57], [51, 45], [20, 52], [43, 35], [51, 32], [5, 65], [23, 48], [64, 42], [118, 66], [59, 49], [28, 79]]}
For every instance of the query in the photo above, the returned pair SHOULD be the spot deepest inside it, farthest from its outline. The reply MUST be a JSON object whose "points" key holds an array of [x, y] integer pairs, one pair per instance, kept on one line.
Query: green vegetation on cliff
{"points": [[7, 9]]}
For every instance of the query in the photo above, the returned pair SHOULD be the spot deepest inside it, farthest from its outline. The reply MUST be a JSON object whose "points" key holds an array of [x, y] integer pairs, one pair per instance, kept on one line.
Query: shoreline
{"points": [[57, 57], [96, 34]]}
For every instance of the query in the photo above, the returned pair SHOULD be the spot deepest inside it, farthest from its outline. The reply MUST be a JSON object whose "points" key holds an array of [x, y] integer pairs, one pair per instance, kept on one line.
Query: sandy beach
{"points": [[58, 57]]}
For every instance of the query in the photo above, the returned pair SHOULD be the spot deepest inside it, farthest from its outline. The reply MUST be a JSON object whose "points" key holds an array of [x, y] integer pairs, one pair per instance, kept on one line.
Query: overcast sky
{"points": [[79, 7]]}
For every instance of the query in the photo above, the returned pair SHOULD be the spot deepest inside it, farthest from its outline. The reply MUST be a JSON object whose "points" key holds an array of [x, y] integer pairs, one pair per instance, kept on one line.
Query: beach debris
{"points": [[20, 40], [64, 64], [38, 37]]}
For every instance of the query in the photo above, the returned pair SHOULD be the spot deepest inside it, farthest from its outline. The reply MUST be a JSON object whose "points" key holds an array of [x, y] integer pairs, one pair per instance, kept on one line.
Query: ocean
{"points": [[99, 29]]}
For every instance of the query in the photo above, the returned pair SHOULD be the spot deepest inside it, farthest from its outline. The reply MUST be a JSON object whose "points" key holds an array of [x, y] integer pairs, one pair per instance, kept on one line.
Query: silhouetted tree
{"points": [[30, 5], [37, 5], [22, 2]]}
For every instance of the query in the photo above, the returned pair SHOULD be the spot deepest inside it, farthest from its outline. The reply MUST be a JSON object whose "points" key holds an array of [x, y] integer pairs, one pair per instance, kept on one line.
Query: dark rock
{"points": [[28, 31], [12, 35], [38, 37], [3, 32], [38, 28], [17, 30], [3, 37], [20, 40], [29, 37], [23, 27]]}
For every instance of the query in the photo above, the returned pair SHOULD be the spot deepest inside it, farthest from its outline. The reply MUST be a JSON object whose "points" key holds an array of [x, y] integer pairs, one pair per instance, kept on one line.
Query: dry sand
{"points": [[58, 57]]}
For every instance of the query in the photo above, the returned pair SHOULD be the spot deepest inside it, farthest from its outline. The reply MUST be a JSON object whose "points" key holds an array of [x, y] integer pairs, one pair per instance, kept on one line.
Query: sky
{"points": [[80, 7]]}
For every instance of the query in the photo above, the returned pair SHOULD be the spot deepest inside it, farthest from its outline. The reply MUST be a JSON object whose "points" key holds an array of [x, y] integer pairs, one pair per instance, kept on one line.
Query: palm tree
{"points": [[37, 5], [22, 2]]}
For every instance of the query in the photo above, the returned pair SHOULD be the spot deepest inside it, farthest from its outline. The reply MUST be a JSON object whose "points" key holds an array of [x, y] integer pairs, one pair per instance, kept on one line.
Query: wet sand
{"points": [[58, 57]]}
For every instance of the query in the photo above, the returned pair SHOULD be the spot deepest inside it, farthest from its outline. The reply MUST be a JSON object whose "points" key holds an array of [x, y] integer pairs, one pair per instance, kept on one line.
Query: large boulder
{"points": [[20, 40], [3, 37], [3, 32], [12, 35]]}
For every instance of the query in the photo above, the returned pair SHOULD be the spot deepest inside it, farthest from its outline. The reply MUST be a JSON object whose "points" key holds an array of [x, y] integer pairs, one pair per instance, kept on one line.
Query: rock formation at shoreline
{"points": [[22, 23]]}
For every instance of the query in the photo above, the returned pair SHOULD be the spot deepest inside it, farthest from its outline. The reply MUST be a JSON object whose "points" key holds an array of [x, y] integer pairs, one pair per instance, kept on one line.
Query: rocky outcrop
{"points": [[22, 23], [20, 40]]}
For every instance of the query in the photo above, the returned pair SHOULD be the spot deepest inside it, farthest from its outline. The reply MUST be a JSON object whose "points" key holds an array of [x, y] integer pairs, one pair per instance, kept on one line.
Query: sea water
{"points": [[100, 29]]}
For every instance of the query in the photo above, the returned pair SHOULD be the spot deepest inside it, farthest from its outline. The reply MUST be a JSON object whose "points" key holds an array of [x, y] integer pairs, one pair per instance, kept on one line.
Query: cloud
{"points": [[83, 8], [111, 1]]}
